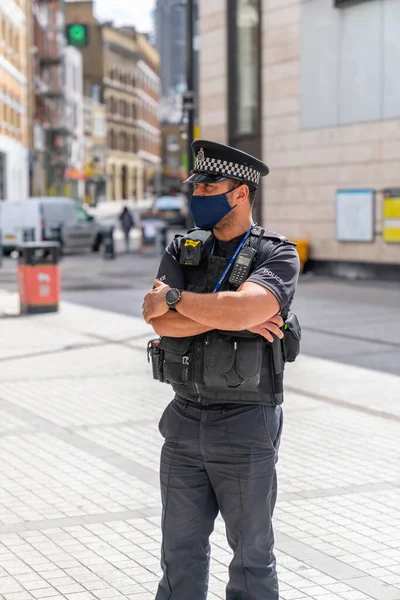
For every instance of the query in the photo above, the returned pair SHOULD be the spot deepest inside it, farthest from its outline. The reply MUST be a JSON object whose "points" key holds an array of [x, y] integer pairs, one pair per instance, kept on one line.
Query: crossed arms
{"points": [[251, 308]]}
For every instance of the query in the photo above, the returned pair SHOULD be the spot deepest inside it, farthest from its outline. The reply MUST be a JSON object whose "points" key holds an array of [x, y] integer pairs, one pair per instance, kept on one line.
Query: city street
{"points": [[353, 322], [108, 106], [79, 501]]}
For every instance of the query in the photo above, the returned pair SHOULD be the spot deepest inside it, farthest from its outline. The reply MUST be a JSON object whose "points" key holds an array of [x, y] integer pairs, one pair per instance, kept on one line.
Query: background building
{"points": [[170, 18], [148, 124], [95, 128], [312, 87], [14, 139], [171, 38], [121, 71], [57, 121], [74, 175], [174, 143]]}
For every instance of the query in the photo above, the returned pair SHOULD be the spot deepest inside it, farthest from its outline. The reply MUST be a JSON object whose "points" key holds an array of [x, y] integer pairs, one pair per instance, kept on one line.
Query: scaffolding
{"points": [[50, 115]]}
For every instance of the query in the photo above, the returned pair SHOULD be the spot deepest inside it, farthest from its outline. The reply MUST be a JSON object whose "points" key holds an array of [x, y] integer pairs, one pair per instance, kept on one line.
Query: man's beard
{"points": [[228, 221]]}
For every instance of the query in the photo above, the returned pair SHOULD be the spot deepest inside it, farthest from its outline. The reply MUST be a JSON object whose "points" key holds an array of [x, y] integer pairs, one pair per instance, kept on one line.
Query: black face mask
{"points": [[208, 211]]}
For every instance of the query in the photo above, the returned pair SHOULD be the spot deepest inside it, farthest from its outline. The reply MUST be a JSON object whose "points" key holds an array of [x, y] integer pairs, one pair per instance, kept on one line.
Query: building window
{"points": [[134, 144], [173, 163], [95, 92], [112, 140], [99, 125], [244, 66], [123, 142]]}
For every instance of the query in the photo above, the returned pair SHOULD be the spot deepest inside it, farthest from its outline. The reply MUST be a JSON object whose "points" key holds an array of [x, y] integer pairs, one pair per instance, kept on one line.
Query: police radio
{"points": [[242, 266]]}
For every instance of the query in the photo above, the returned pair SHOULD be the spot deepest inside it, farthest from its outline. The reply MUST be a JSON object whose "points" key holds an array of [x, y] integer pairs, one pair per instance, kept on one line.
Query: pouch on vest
{"points": [[232, 363], [177, 359], [291, 338], [155, 355], [276, 370]]}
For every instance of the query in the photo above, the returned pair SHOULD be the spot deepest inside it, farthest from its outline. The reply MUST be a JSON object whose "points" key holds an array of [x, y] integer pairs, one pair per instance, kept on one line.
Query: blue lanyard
{"points": [[231, 261]]}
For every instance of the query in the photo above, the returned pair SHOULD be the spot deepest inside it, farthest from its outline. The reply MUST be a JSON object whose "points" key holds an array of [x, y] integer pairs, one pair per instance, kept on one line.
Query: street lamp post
{"points": [[188, 100]]}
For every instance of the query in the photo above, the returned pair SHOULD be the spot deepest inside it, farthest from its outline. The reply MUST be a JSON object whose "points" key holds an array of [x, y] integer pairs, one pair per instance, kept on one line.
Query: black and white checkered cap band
{"points": [[228, 169]]}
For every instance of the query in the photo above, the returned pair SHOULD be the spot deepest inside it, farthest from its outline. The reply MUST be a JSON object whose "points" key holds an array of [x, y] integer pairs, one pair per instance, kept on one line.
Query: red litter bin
{"points": [[39, 277]]}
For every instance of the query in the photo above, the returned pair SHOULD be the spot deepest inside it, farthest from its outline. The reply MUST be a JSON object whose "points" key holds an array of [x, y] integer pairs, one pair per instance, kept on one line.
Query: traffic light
{"points": [[77, 35]]}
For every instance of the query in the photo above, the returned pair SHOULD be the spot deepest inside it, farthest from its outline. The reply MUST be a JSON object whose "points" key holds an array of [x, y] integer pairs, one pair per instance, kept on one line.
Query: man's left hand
{"points": [[154, 304]]}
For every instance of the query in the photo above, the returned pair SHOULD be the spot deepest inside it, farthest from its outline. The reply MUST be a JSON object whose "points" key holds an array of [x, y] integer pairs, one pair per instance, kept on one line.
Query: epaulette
{"points": [[198, 234], [271, 235], [179, 235]]}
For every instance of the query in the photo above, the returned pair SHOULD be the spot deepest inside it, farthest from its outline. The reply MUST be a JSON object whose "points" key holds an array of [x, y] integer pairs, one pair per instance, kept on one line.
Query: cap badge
{"points": [[200, 154]]}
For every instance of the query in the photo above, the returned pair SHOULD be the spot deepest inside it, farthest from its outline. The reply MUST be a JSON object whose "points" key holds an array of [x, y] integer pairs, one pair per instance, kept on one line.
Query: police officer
{"points": [[218, 303]]}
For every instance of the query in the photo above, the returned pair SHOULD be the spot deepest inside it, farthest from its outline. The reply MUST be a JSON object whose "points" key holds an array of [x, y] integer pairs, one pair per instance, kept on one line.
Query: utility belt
{"points": [[225, 364]]}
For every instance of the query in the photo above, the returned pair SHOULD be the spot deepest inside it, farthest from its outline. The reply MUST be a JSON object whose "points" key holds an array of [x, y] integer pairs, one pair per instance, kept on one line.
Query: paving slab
{"points": [[79, 450]]}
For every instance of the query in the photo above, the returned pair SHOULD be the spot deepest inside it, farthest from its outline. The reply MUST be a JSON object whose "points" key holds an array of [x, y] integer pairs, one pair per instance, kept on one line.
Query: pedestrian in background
{"points": [[219, 303], [127, 223]]}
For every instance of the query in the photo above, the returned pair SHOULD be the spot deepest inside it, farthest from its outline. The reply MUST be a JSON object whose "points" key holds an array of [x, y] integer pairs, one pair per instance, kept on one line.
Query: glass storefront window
{"points": [[246, 52]]}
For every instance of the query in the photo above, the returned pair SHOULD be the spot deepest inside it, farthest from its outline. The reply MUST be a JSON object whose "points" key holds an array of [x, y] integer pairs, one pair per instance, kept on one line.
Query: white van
{"points": [[46, 218]]}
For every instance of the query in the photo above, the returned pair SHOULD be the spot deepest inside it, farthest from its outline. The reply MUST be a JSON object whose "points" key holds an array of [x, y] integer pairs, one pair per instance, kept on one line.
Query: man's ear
{"points": [[242, 193]]}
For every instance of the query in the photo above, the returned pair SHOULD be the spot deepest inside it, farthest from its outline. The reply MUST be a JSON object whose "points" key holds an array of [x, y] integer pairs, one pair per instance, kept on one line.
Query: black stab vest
{"points": [[219, 366]]}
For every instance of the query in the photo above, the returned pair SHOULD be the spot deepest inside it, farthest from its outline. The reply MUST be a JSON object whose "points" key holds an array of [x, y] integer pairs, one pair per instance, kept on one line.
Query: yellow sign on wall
{"points": [[391, 218]]}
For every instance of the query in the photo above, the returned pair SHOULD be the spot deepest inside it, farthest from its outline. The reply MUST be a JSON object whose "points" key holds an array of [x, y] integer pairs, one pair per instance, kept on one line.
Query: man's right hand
{"points": [[270, 328]]}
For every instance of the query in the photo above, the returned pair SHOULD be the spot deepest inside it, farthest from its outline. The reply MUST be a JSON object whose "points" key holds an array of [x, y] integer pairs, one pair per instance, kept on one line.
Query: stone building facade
{"points": [[325, 105], [121, 71], [14, 134]]}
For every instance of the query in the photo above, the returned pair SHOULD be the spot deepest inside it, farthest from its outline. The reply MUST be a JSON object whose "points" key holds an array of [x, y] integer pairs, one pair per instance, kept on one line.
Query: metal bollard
{"points": [[161, 240], [108, 244]]}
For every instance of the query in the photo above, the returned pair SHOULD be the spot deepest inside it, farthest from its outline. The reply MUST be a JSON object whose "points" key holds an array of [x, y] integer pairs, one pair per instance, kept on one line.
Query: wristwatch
{"points": [[172, 298]]}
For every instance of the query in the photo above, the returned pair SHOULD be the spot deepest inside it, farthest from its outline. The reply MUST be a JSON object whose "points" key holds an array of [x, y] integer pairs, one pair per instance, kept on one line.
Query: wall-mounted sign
{"points": [[355, 215], [391, 215], [77, 35]]}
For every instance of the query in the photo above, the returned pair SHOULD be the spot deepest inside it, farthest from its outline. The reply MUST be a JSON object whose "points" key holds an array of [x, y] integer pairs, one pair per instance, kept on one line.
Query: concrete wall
{"points": [[349, 62], [308, 166], [213, 71]]}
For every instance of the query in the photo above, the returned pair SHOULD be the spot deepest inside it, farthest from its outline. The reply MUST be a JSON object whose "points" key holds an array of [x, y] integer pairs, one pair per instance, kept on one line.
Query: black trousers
{"points": [[218, 458]]}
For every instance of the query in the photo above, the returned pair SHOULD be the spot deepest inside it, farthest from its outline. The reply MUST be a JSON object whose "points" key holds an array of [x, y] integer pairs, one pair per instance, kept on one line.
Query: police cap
{"points": [[216, 162]]}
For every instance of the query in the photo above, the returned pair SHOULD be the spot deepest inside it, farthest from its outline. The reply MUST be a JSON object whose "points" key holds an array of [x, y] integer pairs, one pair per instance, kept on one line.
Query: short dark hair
{"points": [[252, 191], [252, 196]]}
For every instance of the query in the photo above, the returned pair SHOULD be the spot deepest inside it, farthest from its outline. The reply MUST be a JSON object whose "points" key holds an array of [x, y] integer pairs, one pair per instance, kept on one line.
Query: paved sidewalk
{"points": [[79, 450]]}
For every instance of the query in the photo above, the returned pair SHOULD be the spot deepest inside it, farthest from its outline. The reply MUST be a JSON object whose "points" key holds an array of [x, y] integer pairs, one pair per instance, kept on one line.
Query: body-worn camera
{"points": [[192, 247], [155, 355]]}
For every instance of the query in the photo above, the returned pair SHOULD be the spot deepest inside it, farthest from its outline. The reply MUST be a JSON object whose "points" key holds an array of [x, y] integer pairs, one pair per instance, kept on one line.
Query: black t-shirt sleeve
{"points": [[278, 272], [170, 271]]}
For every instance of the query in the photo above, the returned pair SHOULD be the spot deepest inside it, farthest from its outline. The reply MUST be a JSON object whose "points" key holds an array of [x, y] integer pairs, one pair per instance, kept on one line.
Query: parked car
{"points": [[49, 218], [172, 210]]}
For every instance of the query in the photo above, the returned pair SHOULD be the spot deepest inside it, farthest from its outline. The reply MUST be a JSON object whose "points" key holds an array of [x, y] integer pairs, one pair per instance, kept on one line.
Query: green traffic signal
{"points": [[77, 35]]}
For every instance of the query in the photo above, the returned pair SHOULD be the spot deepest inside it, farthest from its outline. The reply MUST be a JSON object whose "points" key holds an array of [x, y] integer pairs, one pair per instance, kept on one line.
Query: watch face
{"points": [[172, 296]]}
